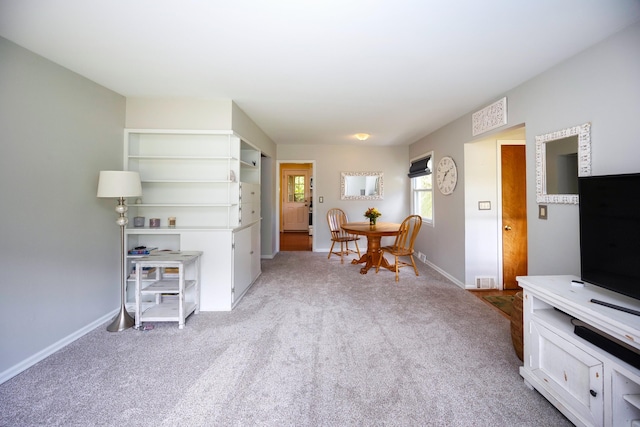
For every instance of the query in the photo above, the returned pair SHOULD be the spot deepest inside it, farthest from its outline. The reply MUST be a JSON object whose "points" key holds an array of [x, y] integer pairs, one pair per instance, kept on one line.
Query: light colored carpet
{"points": [[313, 343]]}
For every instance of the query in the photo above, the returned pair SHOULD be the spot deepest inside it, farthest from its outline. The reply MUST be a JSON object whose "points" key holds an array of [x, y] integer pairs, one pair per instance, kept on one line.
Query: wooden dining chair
{"points": [[403, 246], [336, 217]]}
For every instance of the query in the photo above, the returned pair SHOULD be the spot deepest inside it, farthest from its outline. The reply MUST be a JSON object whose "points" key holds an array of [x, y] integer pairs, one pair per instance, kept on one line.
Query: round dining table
{"points": [[374, 234]]}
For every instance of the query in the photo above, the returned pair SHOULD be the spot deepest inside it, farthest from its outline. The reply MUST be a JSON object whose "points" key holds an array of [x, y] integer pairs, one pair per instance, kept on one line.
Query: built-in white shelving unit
{"points": [[209, 181]]}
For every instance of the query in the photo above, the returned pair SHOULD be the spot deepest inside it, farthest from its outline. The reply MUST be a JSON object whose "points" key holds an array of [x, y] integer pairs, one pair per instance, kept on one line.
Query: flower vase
{"points": [[372, 221]]}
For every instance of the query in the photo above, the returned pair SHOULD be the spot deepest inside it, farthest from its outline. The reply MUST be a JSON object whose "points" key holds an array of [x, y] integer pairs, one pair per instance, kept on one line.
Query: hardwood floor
{"points": [[480, 293], [295, 241]]}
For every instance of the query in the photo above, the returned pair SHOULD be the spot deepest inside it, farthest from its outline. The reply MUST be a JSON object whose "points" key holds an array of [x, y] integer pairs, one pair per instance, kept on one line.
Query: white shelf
{"points": [[183, 205], [248, 164], [172, 230], [151, 157], [166, 286], [633, 399], [186, 181], [166, 311]]}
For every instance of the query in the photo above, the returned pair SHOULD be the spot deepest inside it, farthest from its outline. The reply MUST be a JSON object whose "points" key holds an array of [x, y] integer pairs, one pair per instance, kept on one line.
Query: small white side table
{"points": [[175, 298]]}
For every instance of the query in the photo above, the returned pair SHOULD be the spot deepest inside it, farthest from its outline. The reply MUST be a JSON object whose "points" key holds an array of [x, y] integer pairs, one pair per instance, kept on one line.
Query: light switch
{"points": [[542, 211], [320, 199], [484, 206]]}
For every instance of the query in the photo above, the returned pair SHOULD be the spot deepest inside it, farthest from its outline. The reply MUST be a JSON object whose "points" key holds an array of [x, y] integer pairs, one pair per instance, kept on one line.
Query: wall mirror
{"points": [[361, 186], [561, 157]]}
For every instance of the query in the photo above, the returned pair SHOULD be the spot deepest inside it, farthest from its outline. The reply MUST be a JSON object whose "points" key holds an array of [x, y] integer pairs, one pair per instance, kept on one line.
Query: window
{"points": [[295, 188], [422, 188]]}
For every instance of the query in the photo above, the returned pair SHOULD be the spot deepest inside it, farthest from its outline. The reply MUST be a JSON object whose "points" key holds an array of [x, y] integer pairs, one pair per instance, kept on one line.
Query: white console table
{"points": [[590, 386], [174, 297]]}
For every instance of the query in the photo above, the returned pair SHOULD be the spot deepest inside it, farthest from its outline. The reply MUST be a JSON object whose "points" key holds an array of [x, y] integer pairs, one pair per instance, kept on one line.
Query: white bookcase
{"points": [[589, 385], [210, 182]]}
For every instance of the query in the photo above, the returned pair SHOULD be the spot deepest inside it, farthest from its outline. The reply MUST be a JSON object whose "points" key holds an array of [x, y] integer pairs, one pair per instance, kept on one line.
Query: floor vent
{"points": [[485, 282]]}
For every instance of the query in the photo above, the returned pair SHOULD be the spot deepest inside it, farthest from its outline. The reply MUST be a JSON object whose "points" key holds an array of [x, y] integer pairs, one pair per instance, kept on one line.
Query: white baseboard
{"points": [[445, 274], [42, 354]]}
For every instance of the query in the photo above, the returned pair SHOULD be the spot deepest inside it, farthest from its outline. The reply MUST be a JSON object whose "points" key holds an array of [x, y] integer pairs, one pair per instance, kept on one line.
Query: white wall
{"points": [[481, 236], [600, 85], [60, 244], [178, 113], [393, 162]]}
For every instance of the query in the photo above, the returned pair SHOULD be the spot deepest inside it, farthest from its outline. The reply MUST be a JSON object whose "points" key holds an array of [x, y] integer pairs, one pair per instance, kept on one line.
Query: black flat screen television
{"points": [[610, 232]]}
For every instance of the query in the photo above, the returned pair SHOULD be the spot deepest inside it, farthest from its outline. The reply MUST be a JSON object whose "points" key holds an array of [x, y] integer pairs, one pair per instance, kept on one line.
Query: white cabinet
{"points": [[587, 384], [246, 259], [210, 182], [249, 203]]}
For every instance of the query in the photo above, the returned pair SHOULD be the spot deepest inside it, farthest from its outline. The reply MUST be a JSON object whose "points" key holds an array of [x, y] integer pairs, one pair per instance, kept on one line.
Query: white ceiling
{"points": [[317, 72]]}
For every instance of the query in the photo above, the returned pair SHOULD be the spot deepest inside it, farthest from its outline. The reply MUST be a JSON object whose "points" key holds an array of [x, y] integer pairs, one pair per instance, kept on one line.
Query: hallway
{"points": [[296, 241]]}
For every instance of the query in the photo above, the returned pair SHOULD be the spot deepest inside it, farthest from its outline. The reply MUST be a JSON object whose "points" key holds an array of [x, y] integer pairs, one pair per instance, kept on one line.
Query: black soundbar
{"points": [[611, 345]]}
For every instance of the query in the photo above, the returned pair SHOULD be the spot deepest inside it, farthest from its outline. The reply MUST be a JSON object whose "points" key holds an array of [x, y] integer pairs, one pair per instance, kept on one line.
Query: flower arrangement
{"points": [[372, 214]]}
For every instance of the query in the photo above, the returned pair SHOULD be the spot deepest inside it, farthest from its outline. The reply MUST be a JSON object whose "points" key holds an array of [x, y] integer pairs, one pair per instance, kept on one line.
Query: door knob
{"points": [[507, 227]]}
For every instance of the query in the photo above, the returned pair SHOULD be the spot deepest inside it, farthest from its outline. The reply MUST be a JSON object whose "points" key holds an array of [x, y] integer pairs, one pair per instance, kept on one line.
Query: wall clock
{"points": [[447, 175]]}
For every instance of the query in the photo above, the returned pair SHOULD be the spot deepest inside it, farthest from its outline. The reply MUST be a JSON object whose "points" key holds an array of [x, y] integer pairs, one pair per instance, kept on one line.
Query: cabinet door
{"points": [[568, 372], [250, 193], [215, 266], [241, 262], [256, 266]]}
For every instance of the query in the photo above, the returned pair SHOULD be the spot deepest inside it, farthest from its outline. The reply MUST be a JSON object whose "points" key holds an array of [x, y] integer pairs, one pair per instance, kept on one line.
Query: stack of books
{"points": [[146, 273], [170, 273], [141, 250]]}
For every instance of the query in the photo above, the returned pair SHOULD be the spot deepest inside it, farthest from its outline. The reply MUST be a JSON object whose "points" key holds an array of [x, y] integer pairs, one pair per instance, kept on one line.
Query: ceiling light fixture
{"points": [[362, 136]]}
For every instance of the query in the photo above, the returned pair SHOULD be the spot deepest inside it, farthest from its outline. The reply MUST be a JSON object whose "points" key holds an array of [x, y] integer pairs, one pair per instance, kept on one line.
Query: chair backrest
{"points": [[409, 230], [336, 217]]}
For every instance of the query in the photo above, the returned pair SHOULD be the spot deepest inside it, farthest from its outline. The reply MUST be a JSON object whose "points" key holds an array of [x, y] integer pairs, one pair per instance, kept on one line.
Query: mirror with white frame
{"points": [[361, 186], [561, 157]]}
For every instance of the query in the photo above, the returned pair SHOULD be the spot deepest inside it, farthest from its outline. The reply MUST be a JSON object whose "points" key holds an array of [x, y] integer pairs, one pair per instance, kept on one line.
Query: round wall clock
{"points": [[447, 175]]}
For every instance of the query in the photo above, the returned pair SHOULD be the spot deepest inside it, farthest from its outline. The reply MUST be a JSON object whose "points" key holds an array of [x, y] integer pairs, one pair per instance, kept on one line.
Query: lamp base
{"points": [[121, 322]]}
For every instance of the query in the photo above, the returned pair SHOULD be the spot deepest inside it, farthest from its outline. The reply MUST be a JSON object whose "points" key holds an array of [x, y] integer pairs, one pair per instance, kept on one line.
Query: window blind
{"points": [[420, 167]]}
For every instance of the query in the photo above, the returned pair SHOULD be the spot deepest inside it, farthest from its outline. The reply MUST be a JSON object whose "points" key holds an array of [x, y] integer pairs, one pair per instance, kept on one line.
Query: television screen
{"points": [[610, 232]]}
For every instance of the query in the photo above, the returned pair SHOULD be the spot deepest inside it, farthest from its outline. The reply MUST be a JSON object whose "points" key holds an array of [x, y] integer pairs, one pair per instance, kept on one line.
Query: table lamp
{"points": [[119, 185]]}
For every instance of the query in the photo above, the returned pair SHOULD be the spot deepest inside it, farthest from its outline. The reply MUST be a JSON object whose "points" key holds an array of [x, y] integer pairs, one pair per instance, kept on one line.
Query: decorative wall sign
{"points": [[491, 117]]}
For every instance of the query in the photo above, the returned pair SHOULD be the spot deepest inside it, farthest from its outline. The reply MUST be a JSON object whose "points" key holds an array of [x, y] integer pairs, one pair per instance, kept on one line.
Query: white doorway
{"points": [[295, 199]]}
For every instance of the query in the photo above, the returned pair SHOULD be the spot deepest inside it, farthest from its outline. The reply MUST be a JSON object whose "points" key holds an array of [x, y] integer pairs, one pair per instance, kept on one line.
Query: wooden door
{"points": [[514, 214], [295, 200]]}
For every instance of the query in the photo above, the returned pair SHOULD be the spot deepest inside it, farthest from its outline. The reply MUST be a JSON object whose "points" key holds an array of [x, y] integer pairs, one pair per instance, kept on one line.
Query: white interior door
{"points": [[295, 202]]}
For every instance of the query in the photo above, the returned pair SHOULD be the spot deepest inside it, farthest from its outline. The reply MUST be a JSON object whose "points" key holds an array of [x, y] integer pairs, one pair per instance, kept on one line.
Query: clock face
{"points": [[447, 175]]}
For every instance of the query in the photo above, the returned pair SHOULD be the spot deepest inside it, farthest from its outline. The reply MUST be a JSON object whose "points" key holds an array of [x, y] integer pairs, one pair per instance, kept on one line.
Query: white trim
{"points": [[46, 352], [445, 274]]}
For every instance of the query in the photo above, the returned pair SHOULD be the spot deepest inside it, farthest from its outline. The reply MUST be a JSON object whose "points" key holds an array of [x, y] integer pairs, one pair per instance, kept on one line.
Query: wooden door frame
{"points": [[500, 143], [279, 198]]}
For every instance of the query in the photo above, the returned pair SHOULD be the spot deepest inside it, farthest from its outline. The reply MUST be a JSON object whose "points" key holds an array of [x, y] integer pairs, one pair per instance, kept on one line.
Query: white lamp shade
{"points": [[119, 184]]}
